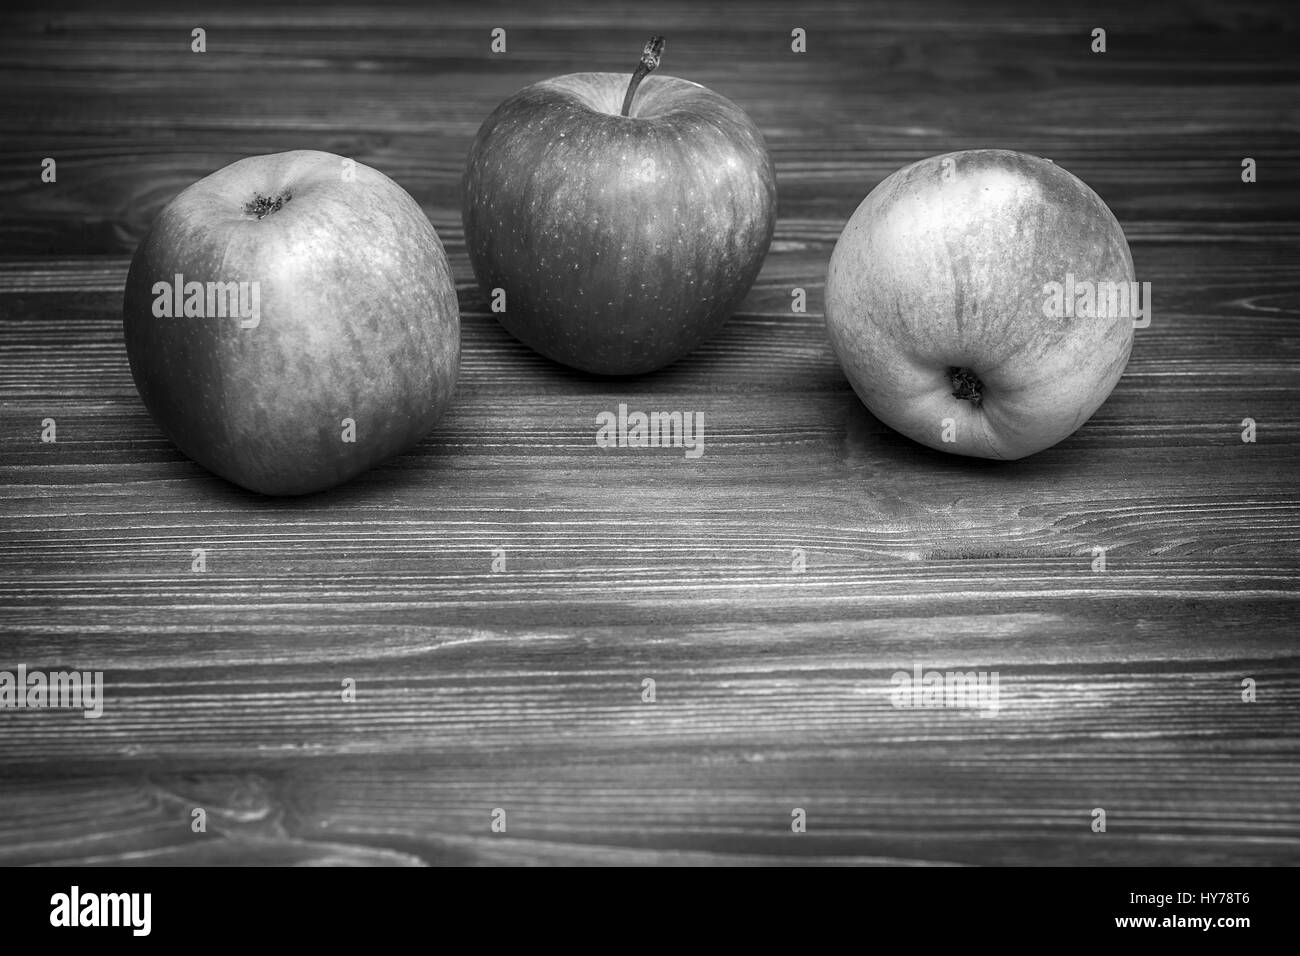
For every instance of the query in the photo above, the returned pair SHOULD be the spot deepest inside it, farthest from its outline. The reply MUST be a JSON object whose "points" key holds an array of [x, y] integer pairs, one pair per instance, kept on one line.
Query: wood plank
{"points": [[1119, 688]]}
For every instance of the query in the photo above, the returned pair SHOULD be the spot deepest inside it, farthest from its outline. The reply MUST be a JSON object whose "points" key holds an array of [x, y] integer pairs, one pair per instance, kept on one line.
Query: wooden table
{"points": [[522, 689]]}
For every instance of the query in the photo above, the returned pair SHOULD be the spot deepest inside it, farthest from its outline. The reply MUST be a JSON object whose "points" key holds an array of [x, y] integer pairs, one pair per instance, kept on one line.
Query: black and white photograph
{"points": [[650, 434]]}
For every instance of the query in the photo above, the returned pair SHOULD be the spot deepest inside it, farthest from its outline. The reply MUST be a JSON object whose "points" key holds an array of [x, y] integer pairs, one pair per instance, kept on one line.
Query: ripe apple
{"points": [[291, 320], [621, 237], [951, 302]]}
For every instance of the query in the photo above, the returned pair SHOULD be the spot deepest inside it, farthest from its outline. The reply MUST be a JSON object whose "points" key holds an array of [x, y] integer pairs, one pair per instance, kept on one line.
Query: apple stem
{"points": [[654, 49], [965, 384], [263, 206]]}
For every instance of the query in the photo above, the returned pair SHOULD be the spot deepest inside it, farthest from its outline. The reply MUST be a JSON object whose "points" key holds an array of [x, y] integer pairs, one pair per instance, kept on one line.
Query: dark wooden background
{"points": [[522, 690]]}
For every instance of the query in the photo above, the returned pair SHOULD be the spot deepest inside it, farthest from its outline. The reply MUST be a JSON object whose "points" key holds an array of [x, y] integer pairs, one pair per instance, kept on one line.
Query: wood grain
{"points": [[522, 689]]}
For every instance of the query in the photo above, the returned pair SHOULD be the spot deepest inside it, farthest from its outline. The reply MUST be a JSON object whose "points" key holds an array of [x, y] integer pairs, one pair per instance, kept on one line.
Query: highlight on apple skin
{"points": [[291, 320], [617, 224], [983, 302]]}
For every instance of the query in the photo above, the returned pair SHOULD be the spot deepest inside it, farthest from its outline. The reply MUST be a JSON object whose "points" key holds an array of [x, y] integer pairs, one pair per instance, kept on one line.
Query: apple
{"points": [[616, 238], [983, 302], [291, 320]]}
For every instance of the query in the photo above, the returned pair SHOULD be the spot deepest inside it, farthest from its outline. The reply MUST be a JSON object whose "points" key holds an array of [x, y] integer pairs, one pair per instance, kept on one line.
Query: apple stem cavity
{"points": [[263, 206], [965, 384], [650, 56]]}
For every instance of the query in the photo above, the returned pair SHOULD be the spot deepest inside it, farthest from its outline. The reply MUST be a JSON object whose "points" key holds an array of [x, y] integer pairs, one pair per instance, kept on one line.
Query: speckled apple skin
{"points": [[621, 243], [359, 320], [944, 266]]}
